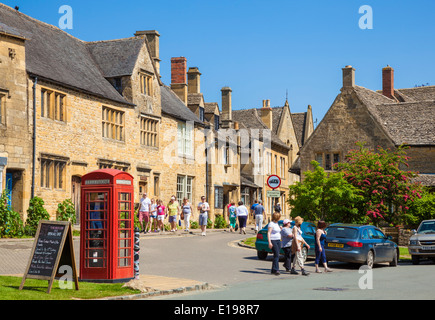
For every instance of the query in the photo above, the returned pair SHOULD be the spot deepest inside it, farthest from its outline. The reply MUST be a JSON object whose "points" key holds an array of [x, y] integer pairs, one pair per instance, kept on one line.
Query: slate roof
{"points": [[299, 123], [55, 55], [173, 106], [411, 123], [249, 119], [116, 57]]}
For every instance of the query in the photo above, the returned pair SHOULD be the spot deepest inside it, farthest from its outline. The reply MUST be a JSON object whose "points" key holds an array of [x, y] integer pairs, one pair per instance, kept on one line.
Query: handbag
{"points": [[182, 216]]}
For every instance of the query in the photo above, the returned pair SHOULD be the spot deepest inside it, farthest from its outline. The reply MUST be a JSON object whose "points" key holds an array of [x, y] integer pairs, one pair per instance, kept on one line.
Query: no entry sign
{"points": [[274, 181]]}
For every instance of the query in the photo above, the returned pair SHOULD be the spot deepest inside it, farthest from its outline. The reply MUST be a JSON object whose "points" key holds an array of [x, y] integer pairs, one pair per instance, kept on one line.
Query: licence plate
{"points": [[335, 245], [428, 248]]}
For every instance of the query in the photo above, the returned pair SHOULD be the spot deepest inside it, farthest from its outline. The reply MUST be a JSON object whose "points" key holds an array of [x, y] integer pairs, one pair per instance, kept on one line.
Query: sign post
{"points": [[53, 247]]}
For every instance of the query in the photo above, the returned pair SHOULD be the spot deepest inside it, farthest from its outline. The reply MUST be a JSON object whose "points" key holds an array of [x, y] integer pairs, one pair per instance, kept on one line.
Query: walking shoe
{"points": [[293, 271], [305, 273]]}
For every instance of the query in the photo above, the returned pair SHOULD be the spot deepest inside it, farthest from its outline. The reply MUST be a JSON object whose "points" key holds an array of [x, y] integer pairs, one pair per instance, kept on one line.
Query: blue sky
{"points": [[263, 48]]}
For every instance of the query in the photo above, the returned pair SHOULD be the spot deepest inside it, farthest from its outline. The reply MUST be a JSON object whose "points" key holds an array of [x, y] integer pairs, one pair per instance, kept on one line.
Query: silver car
{"points": [[422, 243]]}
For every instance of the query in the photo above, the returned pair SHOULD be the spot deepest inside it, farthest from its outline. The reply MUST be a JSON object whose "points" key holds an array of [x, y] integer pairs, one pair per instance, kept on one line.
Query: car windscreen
{"points": [[341, 232], [427, 227]]}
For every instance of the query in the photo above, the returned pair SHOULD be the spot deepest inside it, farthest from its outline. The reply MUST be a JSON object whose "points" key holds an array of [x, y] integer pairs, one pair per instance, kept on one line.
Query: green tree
{"points": [[323, 196], [423, 208], [387, 190]]}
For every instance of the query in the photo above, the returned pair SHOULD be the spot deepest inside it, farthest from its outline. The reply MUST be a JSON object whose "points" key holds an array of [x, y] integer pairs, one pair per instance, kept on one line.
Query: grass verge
{"points": [[37, 290]]}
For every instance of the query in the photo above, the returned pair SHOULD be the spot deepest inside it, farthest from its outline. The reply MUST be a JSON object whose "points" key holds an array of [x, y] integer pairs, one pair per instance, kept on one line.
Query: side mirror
{"points": [[414, 231], [389, 237]]}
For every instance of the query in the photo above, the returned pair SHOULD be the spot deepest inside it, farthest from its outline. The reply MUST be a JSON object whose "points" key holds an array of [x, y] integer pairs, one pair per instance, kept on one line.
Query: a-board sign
{"points": [[52, 248]]}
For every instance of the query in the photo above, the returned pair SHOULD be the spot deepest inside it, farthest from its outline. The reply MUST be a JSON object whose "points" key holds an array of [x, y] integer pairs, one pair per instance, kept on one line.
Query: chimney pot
{"points": [[193, 80]]}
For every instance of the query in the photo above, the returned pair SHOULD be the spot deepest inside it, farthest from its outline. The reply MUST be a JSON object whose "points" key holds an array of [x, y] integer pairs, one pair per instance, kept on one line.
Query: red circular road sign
{"points": [[274, 181]]}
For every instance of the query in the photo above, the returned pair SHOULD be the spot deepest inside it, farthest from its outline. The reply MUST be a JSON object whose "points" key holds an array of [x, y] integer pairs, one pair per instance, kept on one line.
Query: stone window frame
{"points": [[184, 187], [53, 104], [218, 197], [113, 124], [146, 82], [328, 159], [53, 172], [3, 97], [149, 131], [185, 139]]}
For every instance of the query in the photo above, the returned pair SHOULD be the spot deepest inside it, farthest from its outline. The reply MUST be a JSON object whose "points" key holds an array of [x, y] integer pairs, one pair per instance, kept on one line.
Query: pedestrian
{"points": [[144, 212], [320, 247], [153, 216], [187, 212], [274, 237], [173, 210], [277, 207], [242, 216], [297, 243], [259, 215], [252, 209], [203, 208], [286, 243], [160, 215], [232, 215]]}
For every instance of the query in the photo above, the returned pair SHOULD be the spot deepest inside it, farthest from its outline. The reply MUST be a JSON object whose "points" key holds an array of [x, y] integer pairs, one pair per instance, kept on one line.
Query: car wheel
{"points": [[304, 254], [262, 255], [370, 261], [415, 260], [393, 263]]}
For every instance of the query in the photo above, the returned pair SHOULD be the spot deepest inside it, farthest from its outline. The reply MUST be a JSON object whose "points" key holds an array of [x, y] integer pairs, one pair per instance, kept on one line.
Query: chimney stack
{"points": [[388, 82], [178, 77], [227, 113], [348, 77], [266, 114], [193, 80], [152, 37]]}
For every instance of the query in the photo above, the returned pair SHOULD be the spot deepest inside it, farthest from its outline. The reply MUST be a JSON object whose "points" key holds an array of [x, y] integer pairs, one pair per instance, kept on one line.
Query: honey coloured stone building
{"points": [[69, 107], [388, 118]]}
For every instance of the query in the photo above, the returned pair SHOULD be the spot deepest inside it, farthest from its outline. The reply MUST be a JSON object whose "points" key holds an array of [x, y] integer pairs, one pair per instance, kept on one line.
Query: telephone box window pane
{"points": [[124, 224], [124, 206], [124, 197], [124, 234], [124, 215], [124, 243], [124, 262]]}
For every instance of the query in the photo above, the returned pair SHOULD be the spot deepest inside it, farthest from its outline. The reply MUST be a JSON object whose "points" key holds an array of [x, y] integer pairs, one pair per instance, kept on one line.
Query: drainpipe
{"points": [[34, 138]]}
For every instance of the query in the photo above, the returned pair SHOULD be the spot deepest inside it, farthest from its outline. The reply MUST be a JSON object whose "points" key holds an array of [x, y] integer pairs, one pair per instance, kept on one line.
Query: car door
{"points": [[387, 246], [377, 244]]}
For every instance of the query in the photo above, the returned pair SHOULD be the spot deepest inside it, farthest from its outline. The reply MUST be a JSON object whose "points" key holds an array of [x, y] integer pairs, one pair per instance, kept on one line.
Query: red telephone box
{"points": [[106, 226]]}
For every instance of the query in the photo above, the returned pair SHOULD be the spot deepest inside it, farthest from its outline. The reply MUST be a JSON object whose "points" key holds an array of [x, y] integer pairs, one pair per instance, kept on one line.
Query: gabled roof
{"points": [[299, 124], [249, 119], [173, 106], [410, 123], [116, 57], [54, 55]]}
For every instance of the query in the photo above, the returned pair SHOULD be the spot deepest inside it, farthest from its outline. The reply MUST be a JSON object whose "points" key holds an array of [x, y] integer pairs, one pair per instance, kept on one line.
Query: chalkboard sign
{"points": [[53, 244]]}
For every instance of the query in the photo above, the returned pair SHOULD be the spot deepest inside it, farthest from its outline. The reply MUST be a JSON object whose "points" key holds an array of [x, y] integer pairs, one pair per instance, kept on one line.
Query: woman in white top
{"points": [[242, 215], [298, 242], [274, 237]]}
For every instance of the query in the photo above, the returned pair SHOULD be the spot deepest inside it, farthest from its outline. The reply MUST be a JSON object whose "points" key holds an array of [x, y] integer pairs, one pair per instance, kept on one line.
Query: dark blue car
{"points": [[362, 244]]}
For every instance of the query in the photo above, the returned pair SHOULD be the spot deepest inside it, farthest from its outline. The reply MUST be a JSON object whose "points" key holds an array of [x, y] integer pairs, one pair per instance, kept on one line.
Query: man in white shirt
{"points": [[144, 212]]}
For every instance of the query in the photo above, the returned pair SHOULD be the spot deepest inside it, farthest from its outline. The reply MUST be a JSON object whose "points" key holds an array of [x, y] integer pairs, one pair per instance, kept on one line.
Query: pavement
{"points": [[15, 253]]}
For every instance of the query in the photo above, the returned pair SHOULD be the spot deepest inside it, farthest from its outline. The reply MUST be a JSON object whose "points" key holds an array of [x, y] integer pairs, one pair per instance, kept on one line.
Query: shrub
{"points": [[194, 225], [35, 213], [219, 222], [66, 211], [11, 224]]}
